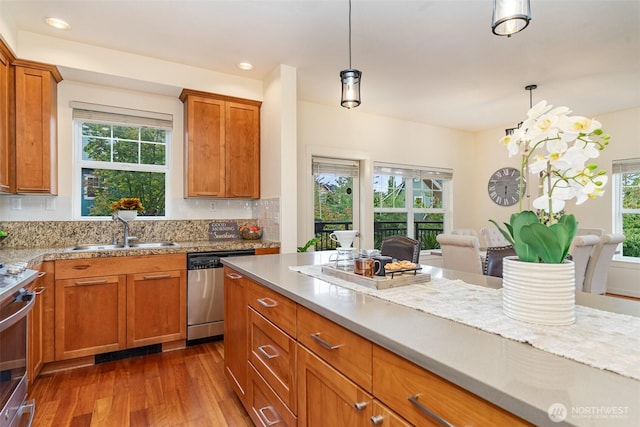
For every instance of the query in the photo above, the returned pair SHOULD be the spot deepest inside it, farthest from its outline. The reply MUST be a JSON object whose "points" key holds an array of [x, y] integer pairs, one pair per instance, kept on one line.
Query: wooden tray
{"points": [[378, 282]]}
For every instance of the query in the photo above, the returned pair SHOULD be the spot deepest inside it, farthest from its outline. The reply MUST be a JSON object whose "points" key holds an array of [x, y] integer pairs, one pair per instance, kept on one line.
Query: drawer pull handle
{"points": [[41, 274], [39, 290], [263, 415], [414, 400], [377, 420], [234, 276], [328, 346], [159, 276], [274, 351], [360, 405], [267, 302], [92, 282], [81, 267]]}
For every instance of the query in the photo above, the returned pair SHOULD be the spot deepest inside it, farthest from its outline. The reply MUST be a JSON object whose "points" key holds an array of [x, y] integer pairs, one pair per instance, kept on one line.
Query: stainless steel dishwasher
{"points": [[205, 293]]}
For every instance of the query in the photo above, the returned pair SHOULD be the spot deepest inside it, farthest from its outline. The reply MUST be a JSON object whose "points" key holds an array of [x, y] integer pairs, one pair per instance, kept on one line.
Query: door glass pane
{"points": [[333, 206]]}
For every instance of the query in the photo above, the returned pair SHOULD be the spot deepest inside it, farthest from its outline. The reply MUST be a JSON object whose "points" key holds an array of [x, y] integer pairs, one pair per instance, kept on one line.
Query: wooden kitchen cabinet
{"points": [[156, 307], [36, 109], [328, 398], [222, 146], [236, 345], [90, 315], [41, 321], [6, 155], [424, 398], [109, 304]]}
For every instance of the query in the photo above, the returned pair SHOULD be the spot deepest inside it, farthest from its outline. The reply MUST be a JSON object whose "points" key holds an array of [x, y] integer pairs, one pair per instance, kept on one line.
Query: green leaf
{"points": [[518, 221], [543, 242]]}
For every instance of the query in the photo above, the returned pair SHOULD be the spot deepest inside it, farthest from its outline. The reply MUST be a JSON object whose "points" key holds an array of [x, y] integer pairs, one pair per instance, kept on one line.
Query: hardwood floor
{"points": [[174, 389]]}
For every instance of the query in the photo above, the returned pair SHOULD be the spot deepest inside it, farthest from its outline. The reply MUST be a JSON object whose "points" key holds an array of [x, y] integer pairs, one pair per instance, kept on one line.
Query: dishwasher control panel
{"points": [[207, 260]]}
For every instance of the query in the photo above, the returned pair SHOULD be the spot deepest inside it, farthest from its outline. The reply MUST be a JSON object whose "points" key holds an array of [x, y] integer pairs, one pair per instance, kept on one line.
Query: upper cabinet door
{"points": [[35, 128], [222, 146], [243, 150], [204, 147], [6, 162]]}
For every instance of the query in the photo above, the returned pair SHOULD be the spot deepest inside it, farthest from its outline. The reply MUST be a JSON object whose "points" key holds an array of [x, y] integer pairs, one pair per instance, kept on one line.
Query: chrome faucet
{"points": [[127, 238]]}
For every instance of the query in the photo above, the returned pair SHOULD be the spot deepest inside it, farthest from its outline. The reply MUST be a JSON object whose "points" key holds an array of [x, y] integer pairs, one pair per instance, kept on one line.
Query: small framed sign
{"points": [[223, 230]]}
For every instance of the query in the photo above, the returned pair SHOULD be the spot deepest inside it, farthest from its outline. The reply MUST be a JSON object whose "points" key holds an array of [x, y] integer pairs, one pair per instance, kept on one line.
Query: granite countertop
{"points": [[513, 375], [34, 256]]}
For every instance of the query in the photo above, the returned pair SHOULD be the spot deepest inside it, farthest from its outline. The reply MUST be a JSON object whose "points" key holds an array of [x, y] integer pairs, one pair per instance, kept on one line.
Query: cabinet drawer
{"points": [[278, 309], [347, 352], [385, 417], [422, 397], [89, 267], [273, 354], [265, 409]]}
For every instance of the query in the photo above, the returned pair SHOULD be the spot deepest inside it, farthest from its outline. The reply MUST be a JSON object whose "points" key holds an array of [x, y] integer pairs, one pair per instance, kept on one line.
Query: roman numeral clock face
{"points": [[503, 186]]}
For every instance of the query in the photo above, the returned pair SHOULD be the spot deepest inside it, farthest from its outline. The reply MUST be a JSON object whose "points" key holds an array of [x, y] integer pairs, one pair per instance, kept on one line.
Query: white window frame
{"points": [[409, 172], [94, 113], [619, 168]]}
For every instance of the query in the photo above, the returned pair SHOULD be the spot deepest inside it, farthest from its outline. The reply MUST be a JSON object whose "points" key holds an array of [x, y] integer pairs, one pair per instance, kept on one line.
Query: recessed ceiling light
{"points": [[57, 23], [245, 65]]}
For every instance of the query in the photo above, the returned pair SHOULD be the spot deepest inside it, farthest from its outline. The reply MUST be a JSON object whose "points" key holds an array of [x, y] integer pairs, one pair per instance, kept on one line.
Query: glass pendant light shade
{"points": [[350, 88], [510, 16]]}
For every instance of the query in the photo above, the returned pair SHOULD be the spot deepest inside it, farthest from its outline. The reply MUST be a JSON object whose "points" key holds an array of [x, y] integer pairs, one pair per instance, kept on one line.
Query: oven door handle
{"points": [[13, 318]]}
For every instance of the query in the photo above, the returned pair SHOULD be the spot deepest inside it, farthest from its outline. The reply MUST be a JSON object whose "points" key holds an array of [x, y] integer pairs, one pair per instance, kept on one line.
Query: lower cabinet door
{"points": [[265, 408], [328, 398], [156, 307], [90, 316]]}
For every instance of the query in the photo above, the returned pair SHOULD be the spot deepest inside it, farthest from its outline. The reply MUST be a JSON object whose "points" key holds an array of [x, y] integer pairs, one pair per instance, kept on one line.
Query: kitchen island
{"points": [[514, 376]]}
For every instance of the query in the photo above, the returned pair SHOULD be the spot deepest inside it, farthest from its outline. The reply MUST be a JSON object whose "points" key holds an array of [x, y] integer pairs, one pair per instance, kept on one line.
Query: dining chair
{"points": [[493, 237], [492, 265], [582, 248], [401, 248], [595, 280], [464, 232], [460, 252]]}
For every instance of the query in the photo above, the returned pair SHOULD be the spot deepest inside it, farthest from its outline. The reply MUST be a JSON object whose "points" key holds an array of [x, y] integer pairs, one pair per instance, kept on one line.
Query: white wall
{"points": [[335, 131]]}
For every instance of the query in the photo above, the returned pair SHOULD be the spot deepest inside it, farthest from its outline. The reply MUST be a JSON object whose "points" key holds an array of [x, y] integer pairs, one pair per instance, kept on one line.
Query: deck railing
{"points": [[425, 232]]}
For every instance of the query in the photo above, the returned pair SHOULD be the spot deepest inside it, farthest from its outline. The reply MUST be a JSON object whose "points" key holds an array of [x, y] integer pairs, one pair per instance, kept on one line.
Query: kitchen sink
{"points": [[152, 245], [133, 245]]}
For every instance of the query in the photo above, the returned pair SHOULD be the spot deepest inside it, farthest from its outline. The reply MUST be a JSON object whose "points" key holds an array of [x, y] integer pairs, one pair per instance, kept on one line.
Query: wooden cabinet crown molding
{"points": [[55, 73], [187, 92]]}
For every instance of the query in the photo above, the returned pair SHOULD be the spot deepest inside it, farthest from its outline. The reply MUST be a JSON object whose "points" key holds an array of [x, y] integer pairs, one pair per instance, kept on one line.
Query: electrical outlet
{"points": [[50, 204], [212, 206], [16, 203]]}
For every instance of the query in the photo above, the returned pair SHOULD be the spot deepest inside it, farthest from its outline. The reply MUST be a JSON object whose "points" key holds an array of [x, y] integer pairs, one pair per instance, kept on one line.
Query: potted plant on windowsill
{"points": [[127, 208], [539, 284]]}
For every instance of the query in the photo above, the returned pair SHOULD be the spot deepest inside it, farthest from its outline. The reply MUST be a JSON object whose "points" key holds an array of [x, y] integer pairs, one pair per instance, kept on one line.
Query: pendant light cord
{"points": [[349, 34]]}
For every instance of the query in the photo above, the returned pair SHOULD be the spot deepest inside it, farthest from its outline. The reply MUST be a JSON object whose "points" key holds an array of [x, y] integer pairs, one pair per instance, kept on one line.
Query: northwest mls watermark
{"points": [[558, 412]]}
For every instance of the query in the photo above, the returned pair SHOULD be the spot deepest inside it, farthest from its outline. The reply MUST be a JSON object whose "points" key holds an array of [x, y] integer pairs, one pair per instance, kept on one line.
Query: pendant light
{"points": [[350, 79], [530, 88], [510, 16]]}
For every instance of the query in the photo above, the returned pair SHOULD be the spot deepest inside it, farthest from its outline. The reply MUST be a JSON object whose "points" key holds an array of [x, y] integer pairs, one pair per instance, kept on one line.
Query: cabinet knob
{"points": [[376, 420], [360, 405]]}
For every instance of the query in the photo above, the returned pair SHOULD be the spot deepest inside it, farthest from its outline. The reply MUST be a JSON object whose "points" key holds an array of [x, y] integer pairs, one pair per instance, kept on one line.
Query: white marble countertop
{"points": [[513, 375]]}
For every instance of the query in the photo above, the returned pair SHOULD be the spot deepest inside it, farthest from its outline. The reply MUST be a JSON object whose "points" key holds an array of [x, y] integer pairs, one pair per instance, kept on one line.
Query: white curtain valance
{"points": [[110, 114]]}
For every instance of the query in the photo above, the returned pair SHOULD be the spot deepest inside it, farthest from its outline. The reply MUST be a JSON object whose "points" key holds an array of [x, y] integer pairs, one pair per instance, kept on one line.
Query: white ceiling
{"points": [[431, 61]]}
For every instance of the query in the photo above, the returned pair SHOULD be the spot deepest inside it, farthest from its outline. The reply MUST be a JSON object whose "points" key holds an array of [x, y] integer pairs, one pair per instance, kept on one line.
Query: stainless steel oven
{"points": [[15, 304]]}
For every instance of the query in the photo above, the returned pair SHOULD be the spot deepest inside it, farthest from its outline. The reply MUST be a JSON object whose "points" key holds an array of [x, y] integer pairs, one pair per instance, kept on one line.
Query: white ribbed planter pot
{"points": [[128, 215], [539, 293]]}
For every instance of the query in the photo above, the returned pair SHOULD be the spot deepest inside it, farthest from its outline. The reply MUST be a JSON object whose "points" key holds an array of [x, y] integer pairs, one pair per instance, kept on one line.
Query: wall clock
{"points": [[503, 186]]}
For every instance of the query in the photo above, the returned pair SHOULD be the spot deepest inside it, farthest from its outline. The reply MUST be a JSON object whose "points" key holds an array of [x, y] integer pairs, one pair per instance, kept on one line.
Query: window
{"points": [[410, 201], [627, 204], [121, 153], [335, 197]]}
